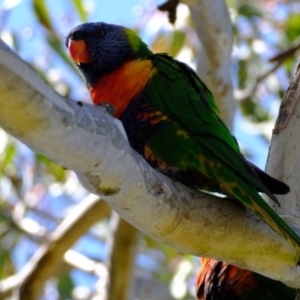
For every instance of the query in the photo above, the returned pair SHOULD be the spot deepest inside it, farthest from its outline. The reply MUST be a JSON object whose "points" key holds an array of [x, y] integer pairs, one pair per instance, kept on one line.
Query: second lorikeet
{"points": [[220, 281], [171, 117]]}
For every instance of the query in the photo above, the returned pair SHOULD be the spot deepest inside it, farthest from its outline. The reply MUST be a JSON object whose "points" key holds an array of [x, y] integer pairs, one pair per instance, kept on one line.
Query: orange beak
{"points": [[79, 51]]}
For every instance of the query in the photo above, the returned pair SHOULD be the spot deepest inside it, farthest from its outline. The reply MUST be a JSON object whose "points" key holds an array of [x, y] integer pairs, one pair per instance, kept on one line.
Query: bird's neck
{"points": [[122, 85]]}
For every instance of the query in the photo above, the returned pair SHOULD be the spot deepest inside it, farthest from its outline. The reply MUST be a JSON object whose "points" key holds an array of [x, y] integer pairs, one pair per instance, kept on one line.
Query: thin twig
{"points": [[279, 59]]}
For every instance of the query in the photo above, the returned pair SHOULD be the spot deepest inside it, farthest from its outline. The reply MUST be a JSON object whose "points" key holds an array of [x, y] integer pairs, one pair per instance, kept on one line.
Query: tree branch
{"points": [[142, 287], [123, 252], [92, 143], [46, 261], [279, 59], [214, 29], [284, 161]]}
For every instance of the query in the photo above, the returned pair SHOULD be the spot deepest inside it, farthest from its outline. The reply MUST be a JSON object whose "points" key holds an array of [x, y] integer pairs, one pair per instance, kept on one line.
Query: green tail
{"points": [[252, 200]]}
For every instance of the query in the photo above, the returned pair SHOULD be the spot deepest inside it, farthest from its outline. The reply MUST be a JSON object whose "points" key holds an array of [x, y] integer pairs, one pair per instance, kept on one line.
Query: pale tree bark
{"points": [[284, 159], [214, 29], [190, 221]]}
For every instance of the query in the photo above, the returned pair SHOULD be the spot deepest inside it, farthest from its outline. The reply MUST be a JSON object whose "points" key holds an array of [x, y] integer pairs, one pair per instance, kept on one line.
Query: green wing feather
{"points": [[177, 91], [193, 107]]}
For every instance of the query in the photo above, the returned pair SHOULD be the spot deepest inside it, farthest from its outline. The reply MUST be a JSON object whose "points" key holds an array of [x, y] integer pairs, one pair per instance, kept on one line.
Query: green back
{"points": [[178, 92]]}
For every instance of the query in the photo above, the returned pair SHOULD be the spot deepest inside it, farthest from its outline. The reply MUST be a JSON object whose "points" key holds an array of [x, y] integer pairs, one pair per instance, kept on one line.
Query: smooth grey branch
{"points": [[92, 143]]}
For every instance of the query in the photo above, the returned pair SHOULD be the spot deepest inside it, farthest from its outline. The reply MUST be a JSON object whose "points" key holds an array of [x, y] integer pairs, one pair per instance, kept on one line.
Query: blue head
{"points": [[98, 48]]}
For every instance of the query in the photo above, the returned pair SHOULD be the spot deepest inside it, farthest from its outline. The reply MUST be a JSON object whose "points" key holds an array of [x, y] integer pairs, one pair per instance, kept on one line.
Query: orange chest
{"points": [[122, 85]]}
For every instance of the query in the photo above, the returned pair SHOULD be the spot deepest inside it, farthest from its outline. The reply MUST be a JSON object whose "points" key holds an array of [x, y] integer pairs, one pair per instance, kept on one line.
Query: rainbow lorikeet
{"points": [[220, 281], [171, 117]]}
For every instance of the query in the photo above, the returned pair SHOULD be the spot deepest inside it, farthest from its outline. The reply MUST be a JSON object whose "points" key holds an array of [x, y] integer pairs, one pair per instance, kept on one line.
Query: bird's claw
{"points": [[109, 108]]}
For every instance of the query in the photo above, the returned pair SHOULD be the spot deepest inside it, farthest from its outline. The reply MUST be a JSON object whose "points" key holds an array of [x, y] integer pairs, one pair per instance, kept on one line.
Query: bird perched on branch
{"points": [[171, 117], [220, 281]]}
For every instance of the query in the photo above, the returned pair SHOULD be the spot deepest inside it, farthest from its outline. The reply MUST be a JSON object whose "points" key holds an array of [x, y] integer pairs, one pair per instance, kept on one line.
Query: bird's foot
{"points": [[109, 108]]}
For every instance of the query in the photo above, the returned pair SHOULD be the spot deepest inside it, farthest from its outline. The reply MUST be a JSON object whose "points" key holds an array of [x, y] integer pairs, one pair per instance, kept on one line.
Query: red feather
{"points": [[119, 87]]}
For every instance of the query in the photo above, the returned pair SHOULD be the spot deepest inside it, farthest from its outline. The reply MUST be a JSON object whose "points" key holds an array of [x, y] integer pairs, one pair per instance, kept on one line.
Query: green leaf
{"points": [[292, 27], [65, 286], [82, 12], [6, 264], [177, 42], [249, 11], [242, 73], [254, 111], [10, 152], [42, 14], [57, 171], [289, 66]]}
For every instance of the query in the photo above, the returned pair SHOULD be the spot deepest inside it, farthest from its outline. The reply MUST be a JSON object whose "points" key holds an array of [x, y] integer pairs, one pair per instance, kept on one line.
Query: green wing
{"points": [[177, 92], [192, 105]]}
